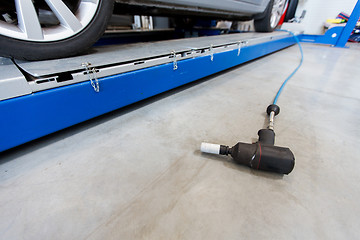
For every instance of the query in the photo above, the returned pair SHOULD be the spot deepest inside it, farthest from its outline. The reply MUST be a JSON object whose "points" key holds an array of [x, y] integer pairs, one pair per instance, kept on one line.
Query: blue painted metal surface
{"points": [[336, 36], [330, 37], [344, 37], [29, 117]]}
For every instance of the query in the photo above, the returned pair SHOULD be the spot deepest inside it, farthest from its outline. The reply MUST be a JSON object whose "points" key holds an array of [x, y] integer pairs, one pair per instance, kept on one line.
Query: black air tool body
{"points": [[262, 155]]}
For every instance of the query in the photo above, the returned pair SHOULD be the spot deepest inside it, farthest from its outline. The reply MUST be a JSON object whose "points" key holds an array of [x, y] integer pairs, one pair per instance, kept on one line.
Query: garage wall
{"points": [[317, 11]]}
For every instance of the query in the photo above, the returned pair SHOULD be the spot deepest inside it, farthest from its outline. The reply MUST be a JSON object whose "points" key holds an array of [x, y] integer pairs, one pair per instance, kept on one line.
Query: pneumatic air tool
{"points": [[262, 155]]}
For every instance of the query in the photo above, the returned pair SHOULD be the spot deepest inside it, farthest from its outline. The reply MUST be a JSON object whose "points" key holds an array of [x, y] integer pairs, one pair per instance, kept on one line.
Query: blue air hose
{"points": [[293, 73]]}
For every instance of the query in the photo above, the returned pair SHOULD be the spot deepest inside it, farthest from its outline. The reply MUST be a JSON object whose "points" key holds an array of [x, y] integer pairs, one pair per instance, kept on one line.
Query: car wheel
{"points": [[38, 30], [271, 17]]}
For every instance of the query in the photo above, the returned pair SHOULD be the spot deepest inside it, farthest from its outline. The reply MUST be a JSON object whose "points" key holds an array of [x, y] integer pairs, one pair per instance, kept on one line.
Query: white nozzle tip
{"points": [[210, 148]]}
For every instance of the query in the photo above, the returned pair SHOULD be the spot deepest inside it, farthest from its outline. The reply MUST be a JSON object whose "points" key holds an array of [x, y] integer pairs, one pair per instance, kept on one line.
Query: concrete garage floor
{"points": [[137, 173]]}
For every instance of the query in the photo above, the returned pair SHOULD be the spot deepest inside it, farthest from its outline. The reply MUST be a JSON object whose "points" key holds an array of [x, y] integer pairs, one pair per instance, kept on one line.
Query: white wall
{"points": [[317, 11]]}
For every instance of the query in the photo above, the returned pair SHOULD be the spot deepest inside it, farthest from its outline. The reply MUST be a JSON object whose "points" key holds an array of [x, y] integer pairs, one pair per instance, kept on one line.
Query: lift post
{"points": [[336, 36]]}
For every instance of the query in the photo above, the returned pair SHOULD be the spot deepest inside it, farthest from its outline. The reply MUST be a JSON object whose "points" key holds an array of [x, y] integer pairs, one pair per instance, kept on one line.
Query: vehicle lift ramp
{"points": [[39, 98]]}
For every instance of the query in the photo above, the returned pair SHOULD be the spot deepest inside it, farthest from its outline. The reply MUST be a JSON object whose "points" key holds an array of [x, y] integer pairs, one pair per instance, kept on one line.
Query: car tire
{"points": [[271, 17], [73, 45], [290, 13]]}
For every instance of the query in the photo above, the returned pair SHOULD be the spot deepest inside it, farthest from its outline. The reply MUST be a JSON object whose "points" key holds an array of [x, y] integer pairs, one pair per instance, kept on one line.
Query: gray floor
{"points": [[137, 173]]}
